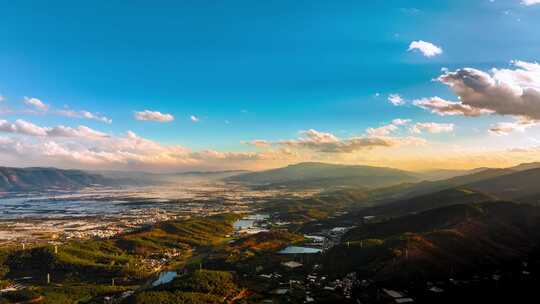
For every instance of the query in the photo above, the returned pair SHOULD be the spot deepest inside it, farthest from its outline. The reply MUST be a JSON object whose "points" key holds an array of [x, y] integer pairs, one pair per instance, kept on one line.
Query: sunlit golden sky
{"points": [[213, 85]]}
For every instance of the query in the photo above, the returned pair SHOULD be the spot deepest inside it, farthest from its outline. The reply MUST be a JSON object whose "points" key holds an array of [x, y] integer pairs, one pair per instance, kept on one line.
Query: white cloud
{"points": [[83, 147], [153, 116], [328, 143], [2, 98], [427, 48], [194, 118], [27, 128], [443, 107], [36, 103], [85, 115], [22, 127], [513, 92], [400, 122], [319, 137], [396, 99], [80, 131], [388, 129], [530, 2], [129, 151], [8, 127], [382, 131], [505, 128], [431, 127]]}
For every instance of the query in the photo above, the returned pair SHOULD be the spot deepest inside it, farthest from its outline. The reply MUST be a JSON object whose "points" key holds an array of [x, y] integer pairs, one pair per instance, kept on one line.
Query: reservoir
{"points": [[164, 278], [249, 222], [300, 250]]}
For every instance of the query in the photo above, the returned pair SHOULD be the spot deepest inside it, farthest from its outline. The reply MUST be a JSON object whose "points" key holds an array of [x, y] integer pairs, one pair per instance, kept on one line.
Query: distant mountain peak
{"points": [[326, 175], [41, 178]]}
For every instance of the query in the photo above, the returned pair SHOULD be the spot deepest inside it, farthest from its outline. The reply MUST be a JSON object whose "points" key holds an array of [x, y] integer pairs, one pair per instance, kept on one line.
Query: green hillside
{"points": [[440, 242], [198, 287], [127, 256]]}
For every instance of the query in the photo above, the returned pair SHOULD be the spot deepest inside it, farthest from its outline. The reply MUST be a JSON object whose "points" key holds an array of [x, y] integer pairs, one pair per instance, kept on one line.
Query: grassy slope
{"points": [[439, 242], [201, 286], [101, 260]]}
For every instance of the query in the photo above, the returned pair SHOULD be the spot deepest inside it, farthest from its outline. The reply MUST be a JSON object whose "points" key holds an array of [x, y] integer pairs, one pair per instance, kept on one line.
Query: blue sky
{"points": [[251, 69]]}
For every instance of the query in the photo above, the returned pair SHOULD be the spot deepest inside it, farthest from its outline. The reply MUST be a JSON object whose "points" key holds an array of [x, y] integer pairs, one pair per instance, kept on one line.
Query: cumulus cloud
{"points": [[85, 115], [443, 107], [428, 49], [388, 129], [83, 147], [194, 118], [318, 137], [22, 127], [80, 131], [396, 99], [513, 92], [153, 116], [2, 98], [129, 151], [382, 131], [328, 143], [27, 128], [36, 103], [431, 127], [505, 128], [42, 107]]}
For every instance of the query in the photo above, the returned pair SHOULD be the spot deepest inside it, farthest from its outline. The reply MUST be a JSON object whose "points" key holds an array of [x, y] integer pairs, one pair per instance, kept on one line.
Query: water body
{"points": [[243, 224], [164, 278], [315, 238], [300, 250], [249, 221], [117, 201]]}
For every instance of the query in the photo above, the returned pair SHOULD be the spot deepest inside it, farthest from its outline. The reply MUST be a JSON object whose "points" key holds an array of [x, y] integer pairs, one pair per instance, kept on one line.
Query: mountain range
{"points": [[38, 179], [382, 184], [45, 179], [322, 175], [439, 243]]}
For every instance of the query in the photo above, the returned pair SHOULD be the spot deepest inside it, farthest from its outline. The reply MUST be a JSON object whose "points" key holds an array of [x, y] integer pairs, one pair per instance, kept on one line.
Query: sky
{"points": [[240, 84]]}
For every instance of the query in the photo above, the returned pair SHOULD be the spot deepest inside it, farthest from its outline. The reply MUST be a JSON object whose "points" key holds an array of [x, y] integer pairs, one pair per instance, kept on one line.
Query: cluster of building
{"points": [[104, 213], [292, 280], [156, 262]]}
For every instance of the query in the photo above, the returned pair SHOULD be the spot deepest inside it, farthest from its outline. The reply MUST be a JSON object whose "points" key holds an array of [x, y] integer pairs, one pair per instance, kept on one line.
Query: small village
{"points": [[298, 282]]}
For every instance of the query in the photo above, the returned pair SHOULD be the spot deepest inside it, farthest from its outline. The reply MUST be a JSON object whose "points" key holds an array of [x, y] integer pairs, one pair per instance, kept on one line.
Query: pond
{"points": [[298, 249], [164, 278], [249, 221]]}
